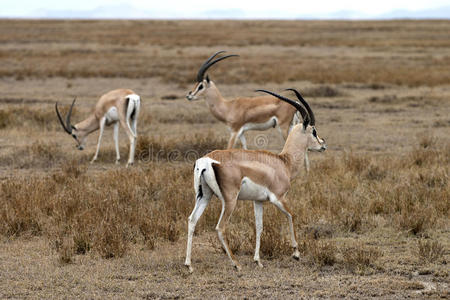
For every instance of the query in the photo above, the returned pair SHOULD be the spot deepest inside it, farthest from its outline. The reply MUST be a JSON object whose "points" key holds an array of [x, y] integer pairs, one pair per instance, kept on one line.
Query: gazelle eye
{"points": [[200, 86], [314, 133]]}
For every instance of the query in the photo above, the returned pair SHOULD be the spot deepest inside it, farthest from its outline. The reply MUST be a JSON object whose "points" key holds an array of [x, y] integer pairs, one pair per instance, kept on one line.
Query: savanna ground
{"points": [[372, 215]]}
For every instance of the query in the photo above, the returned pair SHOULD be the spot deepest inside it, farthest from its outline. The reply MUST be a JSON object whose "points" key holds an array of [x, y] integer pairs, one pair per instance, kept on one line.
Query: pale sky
{"points": [[216, 9]]}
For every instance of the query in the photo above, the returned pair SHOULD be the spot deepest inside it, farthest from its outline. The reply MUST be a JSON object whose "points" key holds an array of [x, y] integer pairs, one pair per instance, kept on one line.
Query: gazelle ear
{"points": [[207, 78]]}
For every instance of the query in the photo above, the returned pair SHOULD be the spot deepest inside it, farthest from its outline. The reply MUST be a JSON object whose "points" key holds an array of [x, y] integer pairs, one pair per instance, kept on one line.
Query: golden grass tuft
{"points": [[359, 258], [187, 148], [319, 252], [429, 251], [107, 212]]}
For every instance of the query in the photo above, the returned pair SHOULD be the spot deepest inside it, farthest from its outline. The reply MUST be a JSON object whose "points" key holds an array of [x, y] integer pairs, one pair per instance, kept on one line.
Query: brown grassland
{"points": [[372, 215]]}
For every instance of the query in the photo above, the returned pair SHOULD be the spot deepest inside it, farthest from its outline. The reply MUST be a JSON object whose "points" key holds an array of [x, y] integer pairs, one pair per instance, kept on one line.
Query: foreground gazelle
{"points": [[245, 113], [117, 106], [256, 175]]}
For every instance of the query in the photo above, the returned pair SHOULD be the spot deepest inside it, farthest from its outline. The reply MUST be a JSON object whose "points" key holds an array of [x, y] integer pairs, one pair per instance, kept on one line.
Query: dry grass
{"points": [[430, 251], [118, 207], [172, 50], [25, 116], [79, 215], [360, 258], [375, 203]]}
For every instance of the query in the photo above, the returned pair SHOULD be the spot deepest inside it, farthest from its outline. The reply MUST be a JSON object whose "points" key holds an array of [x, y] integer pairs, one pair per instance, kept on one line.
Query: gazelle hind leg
{"points": [[243, 140], [281, 205], [200, 204], [116, 141], [258, 208], [232, 140], [227, 210], [132, 139], [102, 128]]}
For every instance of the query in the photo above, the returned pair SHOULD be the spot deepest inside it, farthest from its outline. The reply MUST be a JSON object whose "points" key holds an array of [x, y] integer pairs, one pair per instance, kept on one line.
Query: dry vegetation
{"points": [[372, 215]]}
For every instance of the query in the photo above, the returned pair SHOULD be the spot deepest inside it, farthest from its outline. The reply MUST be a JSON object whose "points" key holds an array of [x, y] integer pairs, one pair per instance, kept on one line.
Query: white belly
{"points": [[271, 123], [253, 191], [112, 115]]}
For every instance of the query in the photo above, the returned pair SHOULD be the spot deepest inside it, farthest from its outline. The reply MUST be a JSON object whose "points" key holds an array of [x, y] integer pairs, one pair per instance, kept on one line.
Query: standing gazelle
{"points": [[117, 106], [256, 175], [245, 113]]}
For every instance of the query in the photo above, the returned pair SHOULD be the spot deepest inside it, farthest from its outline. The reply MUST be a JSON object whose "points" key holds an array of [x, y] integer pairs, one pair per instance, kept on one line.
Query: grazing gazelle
{"points": [[244, 113], [257, 175], [117, 106]]}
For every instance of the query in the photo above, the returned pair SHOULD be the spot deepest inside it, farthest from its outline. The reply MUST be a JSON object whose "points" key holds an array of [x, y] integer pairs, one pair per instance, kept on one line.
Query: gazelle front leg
{"points": [[102, 127], [258, 207], [116, 141]]}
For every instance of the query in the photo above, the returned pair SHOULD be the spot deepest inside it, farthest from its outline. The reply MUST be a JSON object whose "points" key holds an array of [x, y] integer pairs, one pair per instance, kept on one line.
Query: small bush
{"points": [[386, 99], [187, 149], [414, 220], [359, 258], [320, 252], [430, 251]]}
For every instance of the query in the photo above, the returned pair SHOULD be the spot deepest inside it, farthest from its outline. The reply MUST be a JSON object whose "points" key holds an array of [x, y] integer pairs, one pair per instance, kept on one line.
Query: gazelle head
{"points": [[79, 136], [307, 130], [203, 82]]}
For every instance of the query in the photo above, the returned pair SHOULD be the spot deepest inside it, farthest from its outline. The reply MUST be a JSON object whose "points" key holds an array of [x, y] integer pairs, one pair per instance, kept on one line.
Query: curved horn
{"points": [[68, 125], [214, 55], [308, 108], [200, 73], [291, 102], [60, 119], [209, 63]]}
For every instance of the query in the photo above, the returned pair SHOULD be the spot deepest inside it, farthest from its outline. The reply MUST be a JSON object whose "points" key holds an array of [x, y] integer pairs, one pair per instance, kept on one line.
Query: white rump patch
{"points": [[135, 98]]}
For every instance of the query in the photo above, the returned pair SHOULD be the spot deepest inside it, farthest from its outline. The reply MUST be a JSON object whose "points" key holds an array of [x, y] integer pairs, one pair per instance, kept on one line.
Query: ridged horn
{"points": [[209, 62], [308, 108], [295, 104], [67, 127]]}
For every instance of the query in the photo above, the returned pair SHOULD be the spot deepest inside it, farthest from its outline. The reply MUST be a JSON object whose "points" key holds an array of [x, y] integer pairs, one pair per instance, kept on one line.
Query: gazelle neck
{"points": [[88, 125], [295, 149], [215, 102]]}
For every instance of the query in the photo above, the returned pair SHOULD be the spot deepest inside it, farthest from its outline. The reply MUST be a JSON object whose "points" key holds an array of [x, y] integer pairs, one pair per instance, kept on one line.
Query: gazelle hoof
{"points": [[191, 270], [117, 162], [259, 263], [129, 164]]}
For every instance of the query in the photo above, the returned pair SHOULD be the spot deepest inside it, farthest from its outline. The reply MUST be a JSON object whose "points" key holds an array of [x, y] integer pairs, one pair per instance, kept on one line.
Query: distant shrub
{"points": [[429, 250], [358, 258]]}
